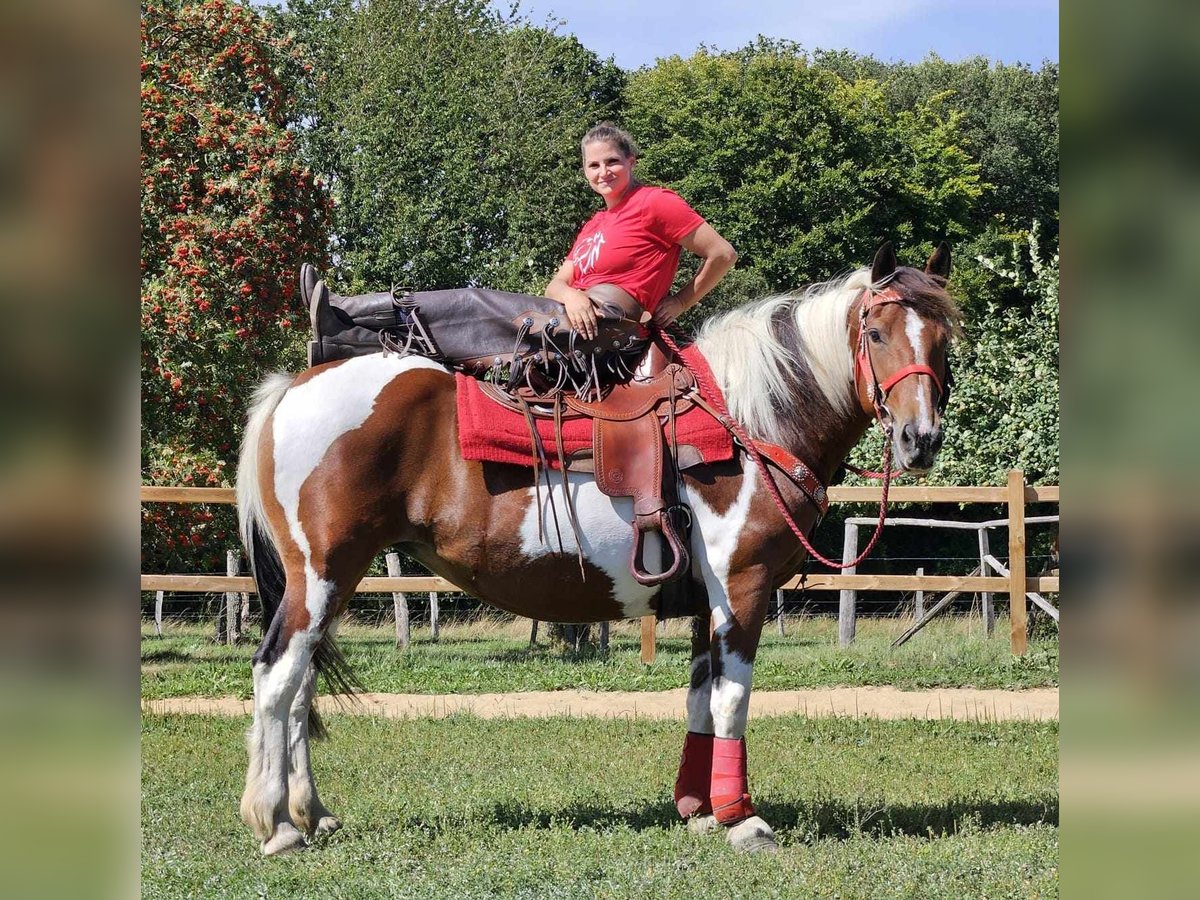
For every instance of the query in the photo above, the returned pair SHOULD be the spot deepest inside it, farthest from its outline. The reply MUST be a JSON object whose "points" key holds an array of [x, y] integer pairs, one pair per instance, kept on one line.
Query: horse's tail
{"points": [[265, 564]]}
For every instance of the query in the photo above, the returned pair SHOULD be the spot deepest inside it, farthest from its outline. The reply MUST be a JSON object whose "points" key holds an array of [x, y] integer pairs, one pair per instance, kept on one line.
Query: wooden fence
{"points": [[1016, 583]]}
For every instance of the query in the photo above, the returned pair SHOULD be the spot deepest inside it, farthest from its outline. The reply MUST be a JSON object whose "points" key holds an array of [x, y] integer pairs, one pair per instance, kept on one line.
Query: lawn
{"points": [[493, 654], [562, 808]]}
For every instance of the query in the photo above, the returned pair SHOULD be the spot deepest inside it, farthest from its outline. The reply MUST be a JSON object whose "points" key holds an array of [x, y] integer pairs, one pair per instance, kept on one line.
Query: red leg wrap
{"points": [[730, 787], [695, 773]]}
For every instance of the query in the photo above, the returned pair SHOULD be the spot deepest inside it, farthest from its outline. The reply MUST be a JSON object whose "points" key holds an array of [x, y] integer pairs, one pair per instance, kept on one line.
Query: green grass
{"points": [[494, 655], [463, 808]]}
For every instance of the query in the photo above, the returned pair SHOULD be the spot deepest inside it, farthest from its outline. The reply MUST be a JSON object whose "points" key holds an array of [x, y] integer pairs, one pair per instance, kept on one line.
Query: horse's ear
{"points": [[939, 262], [885, 263]]}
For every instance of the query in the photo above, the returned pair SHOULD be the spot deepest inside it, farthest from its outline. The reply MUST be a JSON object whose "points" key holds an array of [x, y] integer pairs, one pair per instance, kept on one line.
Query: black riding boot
{"points": [[344, 326]]}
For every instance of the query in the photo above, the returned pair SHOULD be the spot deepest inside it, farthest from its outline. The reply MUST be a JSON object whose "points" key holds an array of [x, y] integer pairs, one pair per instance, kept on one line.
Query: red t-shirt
{"points": [[635, 245]]}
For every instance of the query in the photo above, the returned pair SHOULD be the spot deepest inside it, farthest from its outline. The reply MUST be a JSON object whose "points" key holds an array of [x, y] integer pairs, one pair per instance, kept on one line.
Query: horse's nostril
{"points": [[908, 435], [938, 437]]}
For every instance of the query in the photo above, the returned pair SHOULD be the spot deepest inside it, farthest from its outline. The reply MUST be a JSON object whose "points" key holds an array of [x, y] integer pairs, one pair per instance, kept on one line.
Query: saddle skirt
{"points": [[491, 432]]}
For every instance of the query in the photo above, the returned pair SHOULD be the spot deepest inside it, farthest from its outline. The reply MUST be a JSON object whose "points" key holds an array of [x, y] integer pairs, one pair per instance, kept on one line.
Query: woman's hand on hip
{"points": [[668, 311]]}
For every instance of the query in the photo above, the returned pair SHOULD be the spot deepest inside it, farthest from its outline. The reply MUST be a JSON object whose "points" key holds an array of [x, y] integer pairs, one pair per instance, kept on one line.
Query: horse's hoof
{"points": [[287, 837], [703, 824], [752, 835], [327, 825]]}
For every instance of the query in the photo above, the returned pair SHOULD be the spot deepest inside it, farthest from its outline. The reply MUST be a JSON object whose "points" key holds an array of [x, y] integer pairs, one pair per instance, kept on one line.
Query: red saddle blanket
{"points": [[490, 433]]}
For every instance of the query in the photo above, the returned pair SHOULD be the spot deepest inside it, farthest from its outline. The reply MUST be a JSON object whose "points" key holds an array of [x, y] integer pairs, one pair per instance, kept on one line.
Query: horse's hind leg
{"points": [[281, 665], [307, 811]]}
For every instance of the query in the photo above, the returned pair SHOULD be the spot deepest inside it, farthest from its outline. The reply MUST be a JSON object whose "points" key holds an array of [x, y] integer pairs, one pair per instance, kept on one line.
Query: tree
{"points": [[228, 213], [451, 140], [804, 171], [1006, 407]]}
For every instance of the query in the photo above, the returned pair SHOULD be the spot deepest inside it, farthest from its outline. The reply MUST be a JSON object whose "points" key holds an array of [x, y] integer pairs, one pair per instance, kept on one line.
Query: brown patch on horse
{"points": [[381, 485], [292, 615], [931, 300]]}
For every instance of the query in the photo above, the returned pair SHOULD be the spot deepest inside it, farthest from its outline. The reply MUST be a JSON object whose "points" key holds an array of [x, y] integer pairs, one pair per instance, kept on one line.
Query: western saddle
{"points": [[628, 445]]}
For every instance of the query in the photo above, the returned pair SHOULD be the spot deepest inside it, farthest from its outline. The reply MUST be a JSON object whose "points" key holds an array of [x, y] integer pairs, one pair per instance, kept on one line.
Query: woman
{"points": [[633, 243]]}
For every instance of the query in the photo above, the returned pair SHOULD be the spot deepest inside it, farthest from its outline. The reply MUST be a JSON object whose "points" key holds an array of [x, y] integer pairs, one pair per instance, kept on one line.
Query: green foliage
{"points": [[1005, 407], [580, 808], [228, 212], [1009, 124], [452, 143], [803, 171]]}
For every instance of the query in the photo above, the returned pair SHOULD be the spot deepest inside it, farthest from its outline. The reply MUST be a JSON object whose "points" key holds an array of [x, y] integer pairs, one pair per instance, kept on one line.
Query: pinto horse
{"points": [[354, 456]]}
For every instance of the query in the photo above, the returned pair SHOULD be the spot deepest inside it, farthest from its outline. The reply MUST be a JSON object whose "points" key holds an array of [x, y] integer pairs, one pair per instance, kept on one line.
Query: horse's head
{"points": [[901, 328]]}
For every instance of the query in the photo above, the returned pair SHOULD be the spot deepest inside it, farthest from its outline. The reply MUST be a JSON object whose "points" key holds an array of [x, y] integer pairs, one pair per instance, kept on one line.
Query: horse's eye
{"points": [[873, 334]]}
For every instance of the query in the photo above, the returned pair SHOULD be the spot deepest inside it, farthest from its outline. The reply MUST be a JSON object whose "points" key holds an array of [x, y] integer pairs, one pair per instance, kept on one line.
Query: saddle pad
{"points": [[490, 433]]}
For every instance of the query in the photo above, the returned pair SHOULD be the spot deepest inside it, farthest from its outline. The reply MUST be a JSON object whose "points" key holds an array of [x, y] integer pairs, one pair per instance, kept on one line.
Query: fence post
{"points": [[399, 602], [848, 599], [1016, 561], [158, 605], [533, 633], [603, 635], [779, 609], [648, 647], [989, 608], [919, 598], [232, 604], [433, 614]]}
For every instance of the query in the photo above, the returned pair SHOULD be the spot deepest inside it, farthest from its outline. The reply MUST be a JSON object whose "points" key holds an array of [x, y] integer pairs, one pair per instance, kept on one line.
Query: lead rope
{"points": [[715, 398]]}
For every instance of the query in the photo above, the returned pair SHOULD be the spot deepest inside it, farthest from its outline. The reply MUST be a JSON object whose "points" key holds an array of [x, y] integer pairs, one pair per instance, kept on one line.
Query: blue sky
{"points": [[636, 32]]}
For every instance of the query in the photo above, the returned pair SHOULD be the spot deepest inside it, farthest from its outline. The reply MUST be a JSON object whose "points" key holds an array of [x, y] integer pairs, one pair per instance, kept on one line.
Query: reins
{"points": [[875, 391]]}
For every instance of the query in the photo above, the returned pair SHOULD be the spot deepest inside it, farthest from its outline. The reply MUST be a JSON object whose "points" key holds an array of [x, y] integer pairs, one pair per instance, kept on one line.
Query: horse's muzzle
{"points": [[917, 446]]}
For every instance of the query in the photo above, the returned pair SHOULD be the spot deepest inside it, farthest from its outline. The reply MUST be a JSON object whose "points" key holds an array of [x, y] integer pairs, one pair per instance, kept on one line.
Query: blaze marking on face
{"points": [[308, 420], [914, 325]]}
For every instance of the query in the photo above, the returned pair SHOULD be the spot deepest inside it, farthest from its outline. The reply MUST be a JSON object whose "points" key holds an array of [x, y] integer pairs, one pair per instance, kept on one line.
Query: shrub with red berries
{"points": [[228, 214]]}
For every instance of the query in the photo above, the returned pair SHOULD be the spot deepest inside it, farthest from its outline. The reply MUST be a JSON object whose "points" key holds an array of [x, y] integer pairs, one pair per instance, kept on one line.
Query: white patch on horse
{"points": [[913, 326], [730, 702], [309, 418], [716, 539], [606, 526]]}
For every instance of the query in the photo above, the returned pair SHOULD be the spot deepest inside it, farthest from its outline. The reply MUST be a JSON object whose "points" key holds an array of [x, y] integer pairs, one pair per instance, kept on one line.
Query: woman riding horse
{"points": [[345, 460]]}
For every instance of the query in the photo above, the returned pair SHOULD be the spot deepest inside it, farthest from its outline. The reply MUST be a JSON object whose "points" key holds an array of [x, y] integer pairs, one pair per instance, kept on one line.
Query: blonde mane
{"points": [[756, 371]]}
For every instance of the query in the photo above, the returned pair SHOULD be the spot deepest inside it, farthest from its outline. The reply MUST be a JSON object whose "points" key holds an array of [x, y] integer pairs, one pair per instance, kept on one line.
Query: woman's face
{"points": [[607, 170]]}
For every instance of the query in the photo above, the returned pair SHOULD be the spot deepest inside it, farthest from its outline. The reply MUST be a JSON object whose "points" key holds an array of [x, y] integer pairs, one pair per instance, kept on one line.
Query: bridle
{"points": [[876, 392]]}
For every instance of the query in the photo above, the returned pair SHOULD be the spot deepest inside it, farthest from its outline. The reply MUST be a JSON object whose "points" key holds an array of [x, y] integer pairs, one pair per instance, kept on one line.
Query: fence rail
{"points": [[1016, 584]]}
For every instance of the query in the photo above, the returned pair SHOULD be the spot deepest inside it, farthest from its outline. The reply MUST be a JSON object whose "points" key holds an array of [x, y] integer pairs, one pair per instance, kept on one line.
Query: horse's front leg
{"points": [[694, 780], [738, 614]]}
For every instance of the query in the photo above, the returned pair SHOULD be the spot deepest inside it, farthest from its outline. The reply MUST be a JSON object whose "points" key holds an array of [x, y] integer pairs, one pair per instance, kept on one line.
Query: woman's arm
{"points": [[580, 312], [719, 257]]}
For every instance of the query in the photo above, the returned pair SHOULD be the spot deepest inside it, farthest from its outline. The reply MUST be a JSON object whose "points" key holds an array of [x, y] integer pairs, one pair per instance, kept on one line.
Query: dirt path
{"points": [[869, 702]]}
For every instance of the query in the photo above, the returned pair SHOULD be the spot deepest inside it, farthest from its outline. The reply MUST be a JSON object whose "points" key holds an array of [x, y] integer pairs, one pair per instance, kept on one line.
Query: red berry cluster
{"points": [[228, 213]]}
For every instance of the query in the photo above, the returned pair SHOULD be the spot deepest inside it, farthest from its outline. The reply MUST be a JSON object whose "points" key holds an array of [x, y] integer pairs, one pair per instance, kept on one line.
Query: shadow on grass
{"points": [[833, 819]]}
